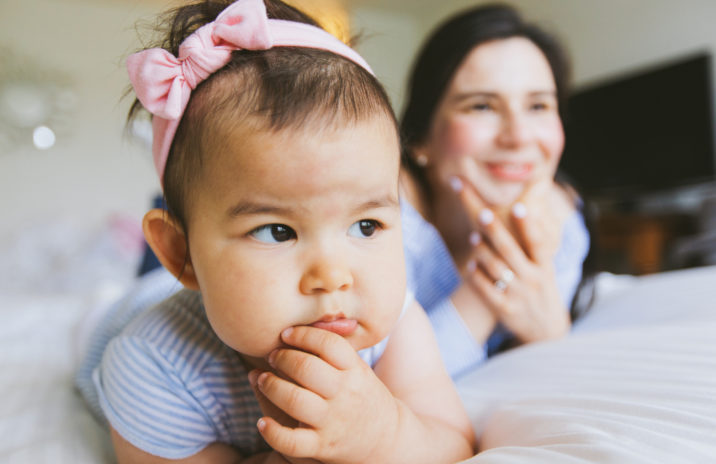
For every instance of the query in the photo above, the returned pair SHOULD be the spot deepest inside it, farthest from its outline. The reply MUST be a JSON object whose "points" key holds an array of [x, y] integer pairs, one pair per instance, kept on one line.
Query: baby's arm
{"points": [[412, 369], [349, 415]]}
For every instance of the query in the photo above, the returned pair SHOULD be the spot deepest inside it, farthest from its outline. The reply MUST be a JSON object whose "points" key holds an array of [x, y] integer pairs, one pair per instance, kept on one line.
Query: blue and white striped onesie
{"points": [[166, 382]]}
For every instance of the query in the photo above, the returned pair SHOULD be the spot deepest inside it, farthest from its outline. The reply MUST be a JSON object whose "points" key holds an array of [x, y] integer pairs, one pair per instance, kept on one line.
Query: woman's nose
{"points": [[326, 273], [515, 130]]}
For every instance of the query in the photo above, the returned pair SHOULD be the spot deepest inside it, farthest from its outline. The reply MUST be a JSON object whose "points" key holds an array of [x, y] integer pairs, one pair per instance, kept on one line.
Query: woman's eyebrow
{"points": [[543, 93], [473, 94]]}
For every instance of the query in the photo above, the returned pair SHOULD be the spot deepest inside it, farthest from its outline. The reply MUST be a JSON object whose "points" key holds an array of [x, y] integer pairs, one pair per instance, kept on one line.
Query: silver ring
{"points": [[504, 280], [507, 275]]}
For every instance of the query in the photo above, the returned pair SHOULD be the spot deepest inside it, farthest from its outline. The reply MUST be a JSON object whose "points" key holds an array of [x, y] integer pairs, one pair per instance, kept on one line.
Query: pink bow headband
{"points": [[163, 82]]}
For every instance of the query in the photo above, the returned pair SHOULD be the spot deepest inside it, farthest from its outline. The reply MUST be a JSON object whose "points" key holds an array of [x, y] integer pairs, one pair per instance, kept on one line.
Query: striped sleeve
{"points": [[145, 400]]}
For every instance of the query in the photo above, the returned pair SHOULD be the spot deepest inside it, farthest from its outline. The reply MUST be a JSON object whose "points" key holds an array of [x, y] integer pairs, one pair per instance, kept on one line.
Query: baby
{"points": [[293, 339]]}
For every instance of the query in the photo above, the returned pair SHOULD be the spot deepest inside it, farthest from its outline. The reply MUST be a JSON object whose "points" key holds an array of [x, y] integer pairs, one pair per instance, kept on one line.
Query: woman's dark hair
{"points": [[274, 89], [444, 51]]}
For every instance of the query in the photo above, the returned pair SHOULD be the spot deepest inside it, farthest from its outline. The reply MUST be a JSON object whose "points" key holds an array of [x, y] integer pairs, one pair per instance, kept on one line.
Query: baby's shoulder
{"points": [[177, 329]]}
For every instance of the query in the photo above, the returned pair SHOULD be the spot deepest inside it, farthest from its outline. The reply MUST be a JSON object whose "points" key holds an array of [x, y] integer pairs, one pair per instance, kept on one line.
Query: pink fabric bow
{"points": [[163, 82]]}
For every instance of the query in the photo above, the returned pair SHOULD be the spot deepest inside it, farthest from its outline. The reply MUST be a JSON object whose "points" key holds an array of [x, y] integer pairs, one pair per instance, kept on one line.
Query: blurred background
{"points": [[67, 167]]}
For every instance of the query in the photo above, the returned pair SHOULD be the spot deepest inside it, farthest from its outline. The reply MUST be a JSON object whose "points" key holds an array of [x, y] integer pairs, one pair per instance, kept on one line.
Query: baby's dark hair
{"points": [[274, 89]]}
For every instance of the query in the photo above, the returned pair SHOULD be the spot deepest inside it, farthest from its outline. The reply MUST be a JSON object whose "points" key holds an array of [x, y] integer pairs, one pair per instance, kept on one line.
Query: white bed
{"points": [[635, 382]]}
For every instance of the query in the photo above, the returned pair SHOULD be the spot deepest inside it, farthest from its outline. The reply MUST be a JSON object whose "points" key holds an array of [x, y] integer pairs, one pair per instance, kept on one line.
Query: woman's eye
{"points": [[273, 233], [540, 106], [363, 228], [481, 107]]}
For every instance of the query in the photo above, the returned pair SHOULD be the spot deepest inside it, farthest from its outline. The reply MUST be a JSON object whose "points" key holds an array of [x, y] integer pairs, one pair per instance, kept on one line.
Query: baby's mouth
{"points": [[337, 324]]}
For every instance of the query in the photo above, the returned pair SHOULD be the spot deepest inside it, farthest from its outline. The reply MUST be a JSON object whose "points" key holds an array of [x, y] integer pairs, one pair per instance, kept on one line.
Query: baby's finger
{"points": [[301, 404], [327, 345], [307, 369], [267, 407], [294, 442]]}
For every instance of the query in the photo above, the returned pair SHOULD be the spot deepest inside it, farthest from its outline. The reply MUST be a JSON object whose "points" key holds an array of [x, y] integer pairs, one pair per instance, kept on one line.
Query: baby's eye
{"points": [[363, 228], [273, 233]]}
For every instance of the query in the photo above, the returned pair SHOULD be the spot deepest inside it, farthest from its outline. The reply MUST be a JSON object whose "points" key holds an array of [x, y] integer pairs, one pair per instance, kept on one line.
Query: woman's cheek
{"points": [[457, 137], [552, 141]]}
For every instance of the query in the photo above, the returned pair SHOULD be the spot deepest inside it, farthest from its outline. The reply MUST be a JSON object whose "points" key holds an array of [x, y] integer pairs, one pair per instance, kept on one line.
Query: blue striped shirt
{"points": [[166, 382]]}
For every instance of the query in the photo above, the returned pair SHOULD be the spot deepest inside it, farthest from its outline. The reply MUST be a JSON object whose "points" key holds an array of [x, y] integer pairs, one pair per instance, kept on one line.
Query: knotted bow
{"points": [[163, 82]]}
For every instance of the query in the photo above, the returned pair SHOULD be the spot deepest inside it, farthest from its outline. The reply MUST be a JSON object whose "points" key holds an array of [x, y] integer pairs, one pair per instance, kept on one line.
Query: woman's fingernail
{"points": [[475, 238], [519, 210], [471, 266], [487, 216], [455, 184]]}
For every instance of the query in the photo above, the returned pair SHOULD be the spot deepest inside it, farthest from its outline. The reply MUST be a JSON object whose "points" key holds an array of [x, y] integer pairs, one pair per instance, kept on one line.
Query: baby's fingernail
{"points": [[261, 424], [287, 332], [519, 210], [272, 358], [261, 379], [455, 184], [475, 238], [487, 216], [471, 266], [253, 374]]}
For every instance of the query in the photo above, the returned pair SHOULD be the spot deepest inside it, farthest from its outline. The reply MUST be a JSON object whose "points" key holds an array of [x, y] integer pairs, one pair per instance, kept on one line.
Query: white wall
{"points": [[92, 172], [604, 37]]}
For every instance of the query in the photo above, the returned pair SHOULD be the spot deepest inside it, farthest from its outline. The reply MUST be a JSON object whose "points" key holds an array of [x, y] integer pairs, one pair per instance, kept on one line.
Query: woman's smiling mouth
{"points": [[514, 172]]}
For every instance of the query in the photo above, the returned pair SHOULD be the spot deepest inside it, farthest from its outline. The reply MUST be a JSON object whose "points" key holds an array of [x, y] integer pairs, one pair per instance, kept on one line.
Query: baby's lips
{"points": [[341, 326]]}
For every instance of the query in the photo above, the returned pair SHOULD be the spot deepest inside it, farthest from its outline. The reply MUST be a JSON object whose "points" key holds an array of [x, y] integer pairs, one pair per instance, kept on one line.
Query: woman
{"points": [[494, 244]]}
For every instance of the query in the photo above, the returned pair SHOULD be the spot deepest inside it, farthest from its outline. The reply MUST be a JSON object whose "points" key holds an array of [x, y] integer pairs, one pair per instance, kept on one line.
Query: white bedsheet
{"points": [[634, 383]]}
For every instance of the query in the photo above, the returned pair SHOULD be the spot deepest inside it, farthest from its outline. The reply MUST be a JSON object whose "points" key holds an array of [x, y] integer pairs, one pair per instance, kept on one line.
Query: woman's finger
{"points": [[493, 296], [529, 233], [504, 244], [470, 199], [484, 257]]}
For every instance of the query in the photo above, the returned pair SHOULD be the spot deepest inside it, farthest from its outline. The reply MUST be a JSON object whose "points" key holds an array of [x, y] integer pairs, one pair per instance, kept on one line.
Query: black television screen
{"points": [[643, 133]]}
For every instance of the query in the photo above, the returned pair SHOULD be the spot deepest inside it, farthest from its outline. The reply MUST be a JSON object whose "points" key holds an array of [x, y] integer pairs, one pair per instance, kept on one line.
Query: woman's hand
{"points": [[513, 272]]}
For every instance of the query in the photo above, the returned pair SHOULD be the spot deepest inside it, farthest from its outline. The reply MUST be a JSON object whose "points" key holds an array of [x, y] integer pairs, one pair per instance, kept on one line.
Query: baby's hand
{"points": [[344, 412]]}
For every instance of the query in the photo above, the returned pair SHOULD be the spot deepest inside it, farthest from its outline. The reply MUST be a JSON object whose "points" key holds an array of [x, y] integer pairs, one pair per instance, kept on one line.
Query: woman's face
{"points": [[497, 125]]}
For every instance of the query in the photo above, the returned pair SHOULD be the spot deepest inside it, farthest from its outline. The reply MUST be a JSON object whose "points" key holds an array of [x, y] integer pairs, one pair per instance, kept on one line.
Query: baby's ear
{"points": [[168, 242]]}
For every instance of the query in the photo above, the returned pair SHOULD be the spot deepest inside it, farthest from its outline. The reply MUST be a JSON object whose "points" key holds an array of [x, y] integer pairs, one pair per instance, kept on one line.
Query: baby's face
{"points": [[300, 227]]}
